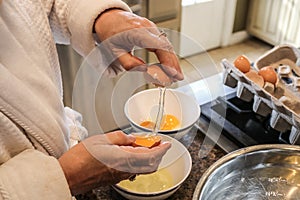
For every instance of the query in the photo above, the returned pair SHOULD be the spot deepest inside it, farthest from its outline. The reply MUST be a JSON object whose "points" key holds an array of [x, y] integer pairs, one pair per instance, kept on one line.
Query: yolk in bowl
{"points": [[147, 124], [169, 122]]}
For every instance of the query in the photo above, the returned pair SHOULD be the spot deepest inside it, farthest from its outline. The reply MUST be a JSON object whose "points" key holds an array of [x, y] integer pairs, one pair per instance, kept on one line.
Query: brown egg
{"points": [[269, 74], [242, 63]]}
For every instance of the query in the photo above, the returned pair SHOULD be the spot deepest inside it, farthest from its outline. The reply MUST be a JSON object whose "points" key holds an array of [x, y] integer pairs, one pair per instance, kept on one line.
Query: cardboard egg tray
{"points": [[282, 100]]}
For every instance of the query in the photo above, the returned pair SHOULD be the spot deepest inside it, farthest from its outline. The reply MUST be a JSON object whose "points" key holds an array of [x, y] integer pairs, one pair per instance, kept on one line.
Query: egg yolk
{"points": [[147, 124], [169, 122]]}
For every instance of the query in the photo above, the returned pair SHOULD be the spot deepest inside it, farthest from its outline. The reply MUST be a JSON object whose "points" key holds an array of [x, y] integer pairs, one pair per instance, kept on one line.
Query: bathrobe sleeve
{"points": [[33, 175], [72, 21]]}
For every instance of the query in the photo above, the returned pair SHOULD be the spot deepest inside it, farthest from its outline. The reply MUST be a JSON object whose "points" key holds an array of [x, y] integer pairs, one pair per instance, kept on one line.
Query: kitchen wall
{"points": [[273, 21], [212, 24], [202, 23]]}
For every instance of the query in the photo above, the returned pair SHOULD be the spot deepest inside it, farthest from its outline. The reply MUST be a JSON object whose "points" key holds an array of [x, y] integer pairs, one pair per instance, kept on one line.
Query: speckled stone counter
{"points": [[194, 142]]}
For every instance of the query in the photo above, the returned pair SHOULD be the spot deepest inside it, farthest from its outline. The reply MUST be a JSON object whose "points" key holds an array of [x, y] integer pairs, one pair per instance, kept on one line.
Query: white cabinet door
{"points": [[291, 33], [275, 21], [264, 18]]}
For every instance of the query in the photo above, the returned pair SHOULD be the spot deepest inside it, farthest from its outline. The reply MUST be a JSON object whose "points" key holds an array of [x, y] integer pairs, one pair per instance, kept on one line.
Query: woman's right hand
{"points": [[120, 31], [106, 159]]}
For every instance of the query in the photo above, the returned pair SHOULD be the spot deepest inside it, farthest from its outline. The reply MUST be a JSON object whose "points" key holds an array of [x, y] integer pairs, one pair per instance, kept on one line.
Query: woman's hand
{"points": [[126, 30], [106, 159]]}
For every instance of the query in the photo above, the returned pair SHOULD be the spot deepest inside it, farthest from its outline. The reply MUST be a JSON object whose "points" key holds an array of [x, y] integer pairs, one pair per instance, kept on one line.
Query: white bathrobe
{"points": [[35, 128]]}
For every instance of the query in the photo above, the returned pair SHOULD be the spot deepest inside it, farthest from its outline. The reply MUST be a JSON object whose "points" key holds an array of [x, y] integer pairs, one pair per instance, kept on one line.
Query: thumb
{"points": [[131, 62], [119, 138]]}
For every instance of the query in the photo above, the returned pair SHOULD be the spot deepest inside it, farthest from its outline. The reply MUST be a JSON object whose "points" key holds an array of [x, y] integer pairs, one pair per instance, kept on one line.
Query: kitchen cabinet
{"points": [[275, 21], [263, 20], [292, 21], [165, 14]]}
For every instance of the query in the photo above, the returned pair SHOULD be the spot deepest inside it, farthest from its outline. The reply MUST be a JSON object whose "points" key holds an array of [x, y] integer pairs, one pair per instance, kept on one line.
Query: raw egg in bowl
{"points": [[180, 112]]}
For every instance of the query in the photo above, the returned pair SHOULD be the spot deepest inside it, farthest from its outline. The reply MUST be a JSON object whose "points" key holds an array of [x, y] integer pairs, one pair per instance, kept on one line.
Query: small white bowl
{"points": [[143, 106], [177, 162]]}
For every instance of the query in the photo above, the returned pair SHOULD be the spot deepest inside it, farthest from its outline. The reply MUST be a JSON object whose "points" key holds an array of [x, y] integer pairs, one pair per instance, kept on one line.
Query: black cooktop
{"points": [[240, 123]]}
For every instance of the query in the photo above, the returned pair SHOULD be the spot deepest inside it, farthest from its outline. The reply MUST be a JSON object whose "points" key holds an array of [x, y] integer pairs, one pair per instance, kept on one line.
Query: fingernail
{"points": [[179, 76], [167, 144], [173, 71], [170, 71]]}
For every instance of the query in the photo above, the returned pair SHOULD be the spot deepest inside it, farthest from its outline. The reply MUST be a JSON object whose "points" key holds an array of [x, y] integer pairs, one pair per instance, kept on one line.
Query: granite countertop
{"points": [[193, 141]]}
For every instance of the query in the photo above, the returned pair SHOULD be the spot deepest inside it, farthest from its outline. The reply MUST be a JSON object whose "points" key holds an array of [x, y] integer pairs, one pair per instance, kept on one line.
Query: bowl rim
{"points": [[175, 186], [181, 128], [116, 187], [234, 154], [166, 132]]}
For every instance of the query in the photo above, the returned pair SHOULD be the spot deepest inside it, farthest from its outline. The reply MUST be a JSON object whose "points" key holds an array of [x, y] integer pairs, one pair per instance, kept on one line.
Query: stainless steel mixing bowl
{"points": [[261, 172]]}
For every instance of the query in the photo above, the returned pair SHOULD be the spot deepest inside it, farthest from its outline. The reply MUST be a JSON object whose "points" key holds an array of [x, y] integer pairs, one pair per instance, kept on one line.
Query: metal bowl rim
{"points": [[235, 154]]}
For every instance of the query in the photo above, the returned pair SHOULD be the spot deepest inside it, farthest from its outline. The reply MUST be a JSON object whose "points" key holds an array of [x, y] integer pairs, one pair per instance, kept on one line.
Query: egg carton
{"points": [[282, 100]]}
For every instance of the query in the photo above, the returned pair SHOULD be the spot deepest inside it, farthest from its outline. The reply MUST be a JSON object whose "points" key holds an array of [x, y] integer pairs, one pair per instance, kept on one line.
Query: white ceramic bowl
{"points": [[177, 162], [143, 106]]}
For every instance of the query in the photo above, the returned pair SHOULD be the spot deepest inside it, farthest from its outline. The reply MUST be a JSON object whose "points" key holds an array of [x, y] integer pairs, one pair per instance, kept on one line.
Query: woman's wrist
{"points": [[72, 164], [104, 12]]}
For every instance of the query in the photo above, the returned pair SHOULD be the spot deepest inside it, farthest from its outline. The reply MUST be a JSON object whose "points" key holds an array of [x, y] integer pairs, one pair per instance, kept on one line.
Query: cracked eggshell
{"points": [[269, 74], [269, 87], [255, 77]]}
